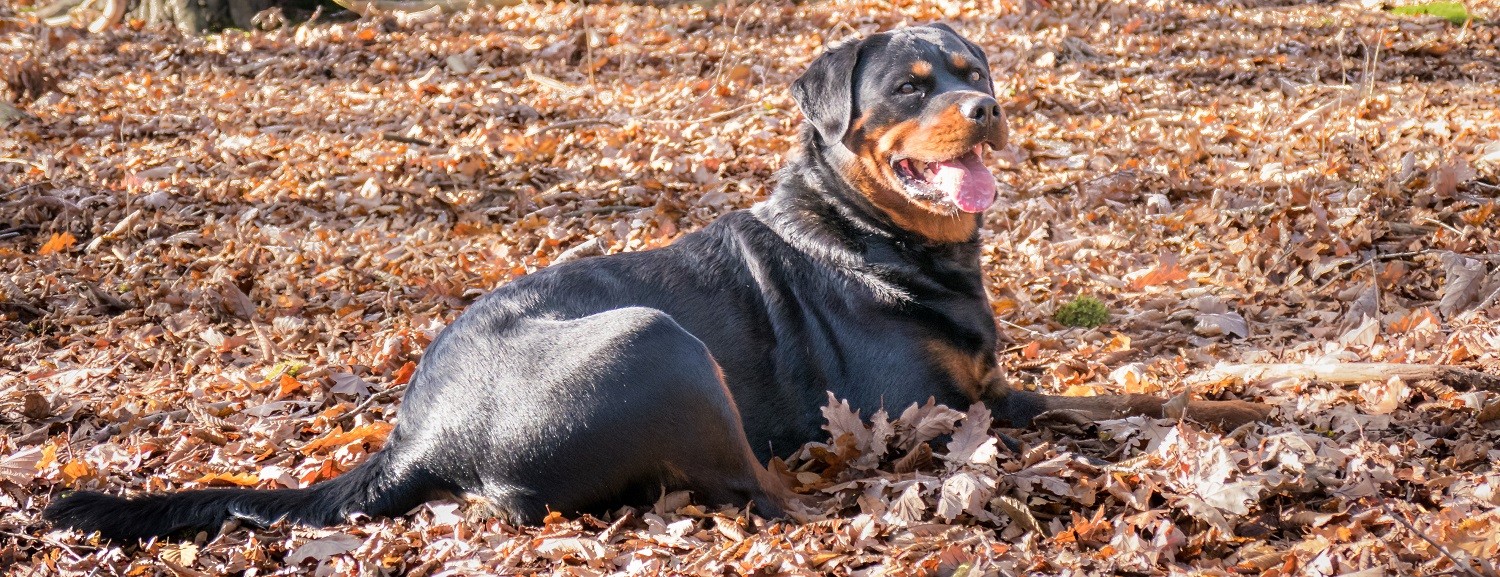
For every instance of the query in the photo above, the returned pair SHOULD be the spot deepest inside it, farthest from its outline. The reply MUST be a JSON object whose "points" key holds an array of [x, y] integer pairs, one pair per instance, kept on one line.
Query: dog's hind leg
{"points": [[587, 412], [683, 415]]}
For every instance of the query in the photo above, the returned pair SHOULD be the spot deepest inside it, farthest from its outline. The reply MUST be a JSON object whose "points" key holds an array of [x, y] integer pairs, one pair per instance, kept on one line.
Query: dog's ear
{"points": [[825, 93]]}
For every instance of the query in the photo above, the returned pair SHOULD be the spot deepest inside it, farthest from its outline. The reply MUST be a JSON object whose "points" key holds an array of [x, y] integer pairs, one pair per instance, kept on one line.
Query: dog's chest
{"points": [[905, 357]]}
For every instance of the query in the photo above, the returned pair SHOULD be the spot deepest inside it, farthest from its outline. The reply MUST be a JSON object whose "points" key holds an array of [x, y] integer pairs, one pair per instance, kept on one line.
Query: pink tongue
{"points": [[966, 180]]}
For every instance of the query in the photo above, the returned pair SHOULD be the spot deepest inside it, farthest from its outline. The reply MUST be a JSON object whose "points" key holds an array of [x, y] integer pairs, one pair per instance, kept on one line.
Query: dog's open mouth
{"points": [[963, 180]]}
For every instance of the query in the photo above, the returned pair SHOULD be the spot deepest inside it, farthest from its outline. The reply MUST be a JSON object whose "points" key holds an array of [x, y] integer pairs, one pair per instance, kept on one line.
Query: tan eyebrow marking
{"points": [[958, 60], [921, 68]]}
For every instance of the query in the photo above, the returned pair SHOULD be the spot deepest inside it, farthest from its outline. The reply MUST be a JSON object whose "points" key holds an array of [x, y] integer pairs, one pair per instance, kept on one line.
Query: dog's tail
{"points": [[372, 488]]}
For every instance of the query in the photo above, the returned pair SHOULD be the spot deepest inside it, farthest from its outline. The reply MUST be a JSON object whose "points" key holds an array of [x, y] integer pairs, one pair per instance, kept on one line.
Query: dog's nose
{"points": [[981, 109]]}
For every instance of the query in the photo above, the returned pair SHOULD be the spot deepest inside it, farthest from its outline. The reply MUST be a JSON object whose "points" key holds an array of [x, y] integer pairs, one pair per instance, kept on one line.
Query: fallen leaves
{"points": [[21, 467], [322, 548], [59, 242], [275, 224], [373, 434], [1163, 274], [229, 479], [1465, 280], [1222, 324]]}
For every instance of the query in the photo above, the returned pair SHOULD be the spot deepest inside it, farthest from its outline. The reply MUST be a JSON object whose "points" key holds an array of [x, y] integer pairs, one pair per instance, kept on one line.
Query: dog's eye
{"points": [[975, 76], [908, 88]]}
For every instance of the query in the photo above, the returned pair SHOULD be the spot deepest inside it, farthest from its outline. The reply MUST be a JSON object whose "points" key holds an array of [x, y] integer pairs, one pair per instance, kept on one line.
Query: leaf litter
{"points": [[223, 255]]}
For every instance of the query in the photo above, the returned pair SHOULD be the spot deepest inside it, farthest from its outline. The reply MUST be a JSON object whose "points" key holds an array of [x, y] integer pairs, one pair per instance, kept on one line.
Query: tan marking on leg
{"points": [[967, 371]]}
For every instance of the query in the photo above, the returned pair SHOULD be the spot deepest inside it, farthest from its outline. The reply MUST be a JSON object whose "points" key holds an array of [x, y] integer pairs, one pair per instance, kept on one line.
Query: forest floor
{"points": [[219, 254]]}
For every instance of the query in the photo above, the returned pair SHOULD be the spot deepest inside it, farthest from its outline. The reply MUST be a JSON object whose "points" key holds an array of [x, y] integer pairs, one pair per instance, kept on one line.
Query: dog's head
{"points": [[904, 116]]}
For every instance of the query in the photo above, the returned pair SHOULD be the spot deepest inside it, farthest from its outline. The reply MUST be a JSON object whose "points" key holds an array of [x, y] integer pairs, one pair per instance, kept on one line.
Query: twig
{"points": [[720, 115], [47, 200], [1444, 225], [63, 546], [600, 209], [588, 47], [1402, 520], [1489, 300], [10, 160], [1377, 258], [575, 123], [20, 189], [104, 434], [404, 139], [1014, 325], [581, 122], [367, 403], [23, 307]]}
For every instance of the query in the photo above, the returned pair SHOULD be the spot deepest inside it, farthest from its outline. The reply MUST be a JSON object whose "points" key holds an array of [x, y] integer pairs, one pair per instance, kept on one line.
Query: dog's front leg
{"points": [[1019, 407]]}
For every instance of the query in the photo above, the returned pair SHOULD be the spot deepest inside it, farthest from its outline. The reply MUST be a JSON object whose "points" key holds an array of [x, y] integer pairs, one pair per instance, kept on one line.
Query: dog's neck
{"points": [[819, 213], [810, 182]]}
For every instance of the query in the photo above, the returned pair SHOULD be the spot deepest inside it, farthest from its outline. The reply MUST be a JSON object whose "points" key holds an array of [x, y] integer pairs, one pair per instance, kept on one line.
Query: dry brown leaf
{"points": [[373, 434], [360, 182], [21, 467], [1464, 278], [972, 443]]}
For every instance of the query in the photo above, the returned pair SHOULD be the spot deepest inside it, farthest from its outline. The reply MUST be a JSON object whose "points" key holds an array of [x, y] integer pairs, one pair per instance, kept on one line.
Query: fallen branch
{"points": [[1357, 373]]}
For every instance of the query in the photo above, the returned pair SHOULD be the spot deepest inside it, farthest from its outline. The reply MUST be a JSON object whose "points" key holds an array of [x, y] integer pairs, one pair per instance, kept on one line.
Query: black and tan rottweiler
{"points": [[598, 382]]}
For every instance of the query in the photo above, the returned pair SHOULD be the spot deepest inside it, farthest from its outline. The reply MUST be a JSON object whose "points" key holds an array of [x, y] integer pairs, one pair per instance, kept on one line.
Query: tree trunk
{"points": [[189, 16], [198, 16]]}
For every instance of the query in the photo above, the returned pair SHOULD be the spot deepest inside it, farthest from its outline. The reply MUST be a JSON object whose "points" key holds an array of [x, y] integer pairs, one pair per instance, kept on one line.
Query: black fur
{"points": [[601, 381], [825, 92]]}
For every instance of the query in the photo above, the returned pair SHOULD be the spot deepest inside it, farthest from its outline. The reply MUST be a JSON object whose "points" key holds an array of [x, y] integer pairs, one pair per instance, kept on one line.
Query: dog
{"points": [[599, 382]]}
